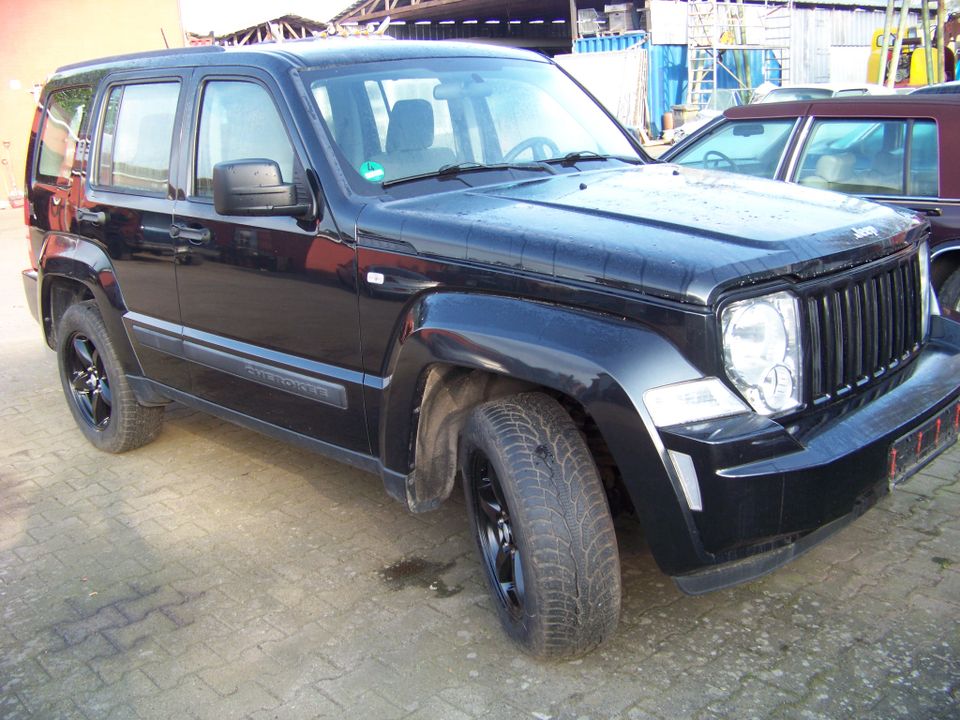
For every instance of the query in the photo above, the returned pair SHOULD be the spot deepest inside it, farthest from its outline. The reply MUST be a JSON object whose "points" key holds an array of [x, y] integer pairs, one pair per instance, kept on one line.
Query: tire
{"points": [[97, 391], [539, 515], [949, 295]]}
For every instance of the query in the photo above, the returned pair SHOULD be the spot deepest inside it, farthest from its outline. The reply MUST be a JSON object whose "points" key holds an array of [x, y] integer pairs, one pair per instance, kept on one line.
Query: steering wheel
{"points": [[542, 148], [717, 157]]}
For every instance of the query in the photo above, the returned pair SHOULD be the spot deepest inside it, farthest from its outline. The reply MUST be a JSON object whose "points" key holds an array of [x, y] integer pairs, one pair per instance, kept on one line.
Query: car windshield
{"points": [[787, 94], [407, 119]]}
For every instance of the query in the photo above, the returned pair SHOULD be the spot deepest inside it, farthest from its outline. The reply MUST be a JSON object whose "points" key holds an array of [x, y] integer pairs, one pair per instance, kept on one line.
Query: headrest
{"points": [[411, 126], [835, 168]]}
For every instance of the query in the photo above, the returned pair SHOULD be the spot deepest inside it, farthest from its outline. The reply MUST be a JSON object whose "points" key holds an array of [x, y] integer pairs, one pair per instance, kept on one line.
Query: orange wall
{"points": [[38, 36]]}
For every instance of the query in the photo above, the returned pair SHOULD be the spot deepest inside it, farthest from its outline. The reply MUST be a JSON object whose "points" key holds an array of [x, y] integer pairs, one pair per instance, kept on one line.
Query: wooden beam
{"points": [[396, 11]]}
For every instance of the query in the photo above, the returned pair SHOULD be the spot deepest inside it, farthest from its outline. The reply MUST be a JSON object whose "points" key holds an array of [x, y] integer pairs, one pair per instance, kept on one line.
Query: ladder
{"points": [[702, 53], [719, 34]]}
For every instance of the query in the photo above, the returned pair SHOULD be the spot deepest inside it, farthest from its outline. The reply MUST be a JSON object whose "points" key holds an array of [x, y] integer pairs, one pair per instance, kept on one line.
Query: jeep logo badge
{"points": [[864, 232]]}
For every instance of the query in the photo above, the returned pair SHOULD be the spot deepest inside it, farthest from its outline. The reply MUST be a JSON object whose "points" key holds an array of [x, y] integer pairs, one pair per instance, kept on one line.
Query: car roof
{"points": [[945, 87], [328, 52], [892, 105], [835, 86]]}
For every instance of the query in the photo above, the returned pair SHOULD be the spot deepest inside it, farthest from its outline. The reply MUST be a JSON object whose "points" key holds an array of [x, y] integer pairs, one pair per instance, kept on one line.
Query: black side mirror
{"points": [[254, 187]]}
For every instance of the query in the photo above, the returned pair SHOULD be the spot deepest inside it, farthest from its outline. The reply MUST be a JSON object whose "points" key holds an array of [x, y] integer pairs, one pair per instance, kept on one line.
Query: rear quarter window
{"points": [[63, 122]]}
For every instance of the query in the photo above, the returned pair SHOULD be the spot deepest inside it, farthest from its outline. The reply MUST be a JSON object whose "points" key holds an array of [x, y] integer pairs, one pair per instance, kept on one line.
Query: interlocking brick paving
{"points": [[219, 574]]}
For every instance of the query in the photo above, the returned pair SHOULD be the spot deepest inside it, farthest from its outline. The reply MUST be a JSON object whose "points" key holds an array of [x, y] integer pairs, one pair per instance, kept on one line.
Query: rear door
{"points": [[128, 209], [269, 304]]}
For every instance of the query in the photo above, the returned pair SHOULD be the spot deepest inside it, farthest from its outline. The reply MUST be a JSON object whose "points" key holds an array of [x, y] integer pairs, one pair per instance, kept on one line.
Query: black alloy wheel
{"points": [[88, 381], [498, 548], [101, 400]]}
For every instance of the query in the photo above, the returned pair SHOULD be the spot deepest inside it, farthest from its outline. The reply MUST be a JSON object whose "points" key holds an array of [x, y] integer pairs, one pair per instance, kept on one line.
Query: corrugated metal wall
{"points": [[815, 31]]}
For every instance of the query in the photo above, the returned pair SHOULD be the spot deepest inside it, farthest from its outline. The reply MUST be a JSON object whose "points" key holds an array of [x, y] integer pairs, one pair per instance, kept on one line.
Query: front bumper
{"points": [[772, 491], [29, 278]]}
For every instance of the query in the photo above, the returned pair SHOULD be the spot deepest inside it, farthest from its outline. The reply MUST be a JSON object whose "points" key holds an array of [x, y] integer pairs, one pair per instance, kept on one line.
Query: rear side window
{"points": [[64, 118], [136, 137], [239, 121], [871, 157]]}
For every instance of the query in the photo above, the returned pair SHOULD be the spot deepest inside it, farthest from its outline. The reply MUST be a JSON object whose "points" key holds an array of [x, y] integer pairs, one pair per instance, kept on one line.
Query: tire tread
{"points": [[566, 523]]}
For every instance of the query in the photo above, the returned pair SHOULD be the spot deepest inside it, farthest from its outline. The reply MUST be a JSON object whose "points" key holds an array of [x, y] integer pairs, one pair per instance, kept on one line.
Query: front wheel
{"points": [[540, 518], [949, 295], [99, 396]]}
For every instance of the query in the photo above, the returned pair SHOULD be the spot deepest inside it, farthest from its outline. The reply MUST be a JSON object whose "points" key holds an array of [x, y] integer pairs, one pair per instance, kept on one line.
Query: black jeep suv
{"points": [[435, 261]]}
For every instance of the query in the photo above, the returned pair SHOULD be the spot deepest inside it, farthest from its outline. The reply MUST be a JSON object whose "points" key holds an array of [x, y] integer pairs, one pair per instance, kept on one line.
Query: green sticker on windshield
{"points": [[372, 171]]}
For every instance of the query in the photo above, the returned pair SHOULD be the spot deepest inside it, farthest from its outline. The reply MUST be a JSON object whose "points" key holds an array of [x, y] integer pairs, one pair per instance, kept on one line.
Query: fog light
{"points": [[777, 387]]}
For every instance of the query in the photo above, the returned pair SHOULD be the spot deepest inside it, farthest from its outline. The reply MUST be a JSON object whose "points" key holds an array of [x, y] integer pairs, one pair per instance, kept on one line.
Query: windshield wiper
{"points": [[578, 155], [470, 166]]}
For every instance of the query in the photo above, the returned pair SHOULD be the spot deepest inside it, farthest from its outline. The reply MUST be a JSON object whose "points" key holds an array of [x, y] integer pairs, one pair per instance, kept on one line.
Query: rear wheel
{"points": [[99, 396], [540, 518]]}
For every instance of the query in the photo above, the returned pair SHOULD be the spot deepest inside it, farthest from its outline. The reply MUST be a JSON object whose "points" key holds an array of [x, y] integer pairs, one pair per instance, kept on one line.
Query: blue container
{"points": [[606, 43]]}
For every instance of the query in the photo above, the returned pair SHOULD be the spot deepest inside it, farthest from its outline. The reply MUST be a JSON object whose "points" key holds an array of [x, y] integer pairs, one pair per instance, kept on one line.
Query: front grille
{"points": [[861, 325]]}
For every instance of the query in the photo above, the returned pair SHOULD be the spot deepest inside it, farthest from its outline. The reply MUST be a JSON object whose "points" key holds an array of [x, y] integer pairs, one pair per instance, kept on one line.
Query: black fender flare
{"points": [[604, 363], [82, 261]]}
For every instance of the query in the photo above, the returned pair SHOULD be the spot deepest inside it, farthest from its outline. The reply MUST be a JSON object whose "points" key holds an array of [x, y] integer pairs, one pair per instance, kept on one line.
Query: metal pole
{"points": [[574, 24], [898, 44], [925, 24], [885, 48], [941, 56]]}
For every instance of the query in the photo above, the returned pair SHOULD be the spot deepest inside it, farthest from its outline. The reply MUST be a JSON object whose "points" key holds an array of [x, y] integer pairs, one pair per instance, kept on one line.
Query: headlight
{"points": [[761, 351]]}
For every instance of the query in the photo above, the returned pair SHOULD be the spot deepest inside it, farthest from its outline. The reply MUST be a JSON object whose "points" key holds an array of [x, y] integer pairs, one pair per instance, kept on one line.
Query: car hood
{"points": [[664, 230]]}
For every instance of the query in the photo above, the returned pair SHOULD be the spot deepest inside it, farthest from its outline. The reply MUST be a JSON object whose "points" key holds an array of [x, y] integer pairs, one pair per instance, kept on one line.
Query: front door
{"points": [[269, 304]]}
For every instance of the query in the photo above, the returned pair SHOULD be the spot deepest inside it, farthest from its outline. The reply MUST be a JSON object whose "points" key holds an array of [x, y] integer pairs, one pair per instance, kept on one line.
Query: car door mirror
{"points": [[254, 187]]}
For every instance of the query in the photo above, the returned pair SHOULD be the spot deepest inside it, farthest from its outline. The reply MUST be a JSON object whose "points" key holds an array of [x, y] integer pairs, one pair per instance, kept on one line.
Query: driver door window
{"points": [[238, 120], [748, 147]]}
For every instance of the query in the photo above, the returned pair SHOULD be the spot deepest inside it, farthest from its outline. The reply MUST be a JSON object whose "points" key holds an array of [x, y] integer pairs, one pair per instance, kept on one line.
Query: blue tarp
{"points": [[667, 84]]}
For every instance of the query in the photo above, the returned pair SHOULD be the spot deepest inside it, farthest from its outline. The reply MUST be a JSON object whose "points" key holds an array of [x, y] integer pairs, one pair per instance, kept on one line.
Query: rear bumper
{"points": [[771, 492], [29, 278]]}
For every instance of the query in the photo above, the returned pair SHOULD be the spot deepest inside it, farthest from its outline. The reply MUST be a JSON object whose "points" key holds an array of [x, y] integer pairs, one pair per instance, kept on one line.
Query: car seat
{"points": [[831, 171], [409, 148]]}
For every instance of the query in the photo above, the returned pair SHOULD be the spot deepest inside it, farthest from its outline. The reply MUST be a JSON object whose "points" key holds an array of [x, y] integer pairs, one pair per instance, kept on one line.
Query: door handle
{"points": [[194, 236], [929, 212], [95, 218]]}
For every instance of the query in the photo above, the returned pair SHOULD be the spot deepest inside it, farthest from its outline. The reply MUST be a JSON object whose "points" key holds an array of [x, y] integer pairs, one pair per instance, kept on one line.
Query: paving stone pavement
{"points": [[219, 574]]}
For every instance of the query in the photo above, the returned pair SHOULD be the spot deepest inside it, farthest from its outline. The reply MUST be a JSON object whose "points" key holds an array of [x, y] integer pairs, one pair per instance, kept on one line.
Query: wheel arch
{"points": [[457, 350], [944, 261], [73, 269]]}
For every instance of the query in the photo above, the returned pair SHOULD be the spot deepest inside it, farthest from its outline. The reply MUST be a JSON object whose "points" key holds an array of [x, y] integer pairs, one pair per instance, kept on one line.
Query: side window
{"points": [[749, 147], [862, 157], [238, 121], [64, 118], [136, 137], [923, 178]]}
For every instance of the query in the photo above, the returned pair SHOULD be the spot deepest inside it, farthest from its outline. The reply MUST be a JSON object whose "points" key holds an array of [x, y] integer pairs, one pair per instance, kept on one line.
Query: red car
{"points": [[894, 149]]}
